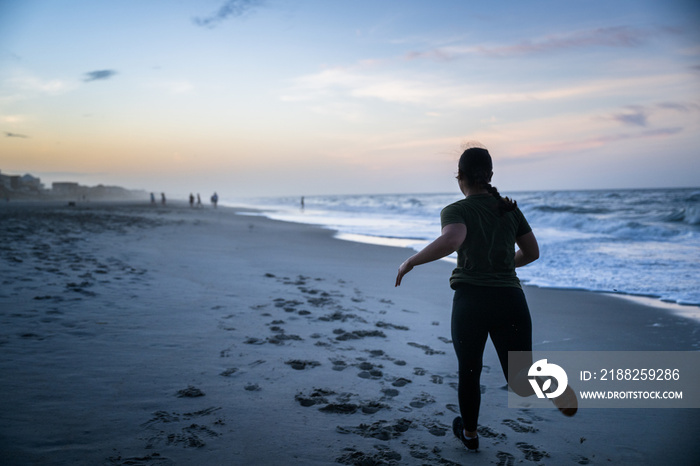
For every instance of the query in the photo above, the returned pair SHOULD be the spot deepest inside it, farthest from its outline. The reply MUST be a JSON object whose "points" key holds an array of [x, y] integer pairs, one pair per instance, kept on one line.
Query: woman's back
{"points": [[486, 257]]}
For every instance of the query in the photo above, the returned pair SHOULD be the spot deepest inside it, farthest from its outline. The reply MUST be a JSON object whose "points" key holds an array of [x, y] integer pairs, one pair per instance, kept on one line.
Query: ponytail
{"points": [[505, 204]]}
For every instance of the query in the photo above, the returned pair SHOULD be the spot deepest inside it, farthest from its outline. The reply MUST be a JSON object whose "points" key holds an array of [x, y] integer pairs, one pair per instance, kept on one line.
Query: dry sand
{"points": [[150, 335]]}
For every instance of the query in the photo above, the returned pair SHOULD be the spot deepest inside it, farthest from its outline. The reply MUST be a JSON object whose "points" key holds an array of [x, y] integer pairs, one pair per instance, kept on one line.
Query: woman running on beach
{"points": [[483, 228]]}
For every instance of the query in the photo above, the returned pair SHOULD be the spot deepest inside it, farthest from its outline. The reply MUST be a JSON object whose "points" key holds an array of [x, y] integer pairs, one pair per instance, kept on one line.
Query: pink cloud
{"points": [[619, 36]]}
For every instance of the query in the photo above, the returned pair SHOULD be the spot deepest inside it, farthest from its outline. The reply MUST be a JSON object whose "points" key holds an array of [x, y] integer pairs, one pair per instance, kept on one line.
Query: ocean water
{"points": [[642, 242]]}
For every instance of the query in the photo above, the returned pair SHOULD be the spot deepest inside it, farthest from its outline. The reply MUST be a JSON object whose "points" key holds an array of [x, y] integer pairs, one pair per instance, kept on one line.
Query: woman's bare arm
{"points": [[452, 237], [529, 249]]}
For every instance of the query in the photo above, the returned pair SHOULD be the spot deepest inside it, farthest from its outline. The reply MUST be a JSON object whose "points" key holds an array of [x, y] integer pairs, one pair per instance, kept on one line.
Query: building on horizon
{"points": [[16, 184], [65, 188], [30, 187]]}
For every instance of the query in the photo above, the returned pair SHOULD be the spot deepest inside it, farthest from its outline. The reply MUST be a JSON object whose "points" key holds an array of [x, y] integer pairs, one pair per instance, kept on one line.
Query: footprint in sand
{"points": [[299, 364], [340, 408], [519, 426], [429, 455], [339, 316], [384, 455], [428, 350], [357, 334], [190, 392], [342, 403], [532, 416], [381, 430], [281, 337], [374, 374], [371, 407], [149, 460], [421, 400], [531, 453], [339, 365], [387, 325], [400, 382], [253, 341], [191, 437], [436, 428], [487, 432], [370, 371], [317, 396], [505, 459]]}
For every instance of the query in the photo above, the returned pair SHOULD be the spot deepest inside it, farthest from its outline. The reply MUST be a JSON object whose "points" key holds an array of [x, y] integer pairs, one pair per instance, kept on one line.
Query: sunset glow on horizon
{"points": [[302, 97]]}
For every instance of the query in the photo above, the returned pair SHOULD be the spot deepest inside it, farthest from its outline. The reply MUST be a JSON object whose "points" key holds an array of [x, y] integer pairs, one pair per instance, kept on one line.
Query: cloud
{"points": [[24, 83], [619, 36], [635, 118], [436, 93], [639, 116], [15, 135], [343, 84], [231, 8], [603, 37], [683, 108], [98, 75], [541, 150], [560, 135]]}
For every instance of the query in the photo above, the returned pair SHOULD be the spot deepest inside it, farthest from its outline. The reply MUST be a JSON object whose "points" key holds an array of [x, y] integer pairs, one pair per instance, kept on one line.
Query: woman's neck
{"points": [[473, 191], [468, 190]]}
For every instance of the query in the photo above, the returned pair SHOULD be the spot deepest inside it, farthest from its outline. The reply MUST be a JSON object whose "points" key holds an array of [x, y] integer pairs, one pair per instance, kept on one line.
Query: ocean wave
{"points": [[688, 216], [627, 241], [693, 197], [692, 216], [675, 216], [572, 209]]}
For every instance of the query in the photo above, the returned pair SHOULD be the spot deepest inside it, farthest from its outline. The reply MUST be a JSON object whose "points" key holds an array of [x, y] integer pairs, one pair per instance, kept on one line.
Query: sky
{"points": [[303, 97]]}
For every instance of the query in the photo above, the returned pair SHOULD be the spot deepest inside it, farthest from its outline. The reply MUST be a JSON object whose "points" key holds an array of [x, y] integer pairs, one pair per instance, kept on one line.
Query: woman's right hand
{"points": [[403, 270], [453, 235]]}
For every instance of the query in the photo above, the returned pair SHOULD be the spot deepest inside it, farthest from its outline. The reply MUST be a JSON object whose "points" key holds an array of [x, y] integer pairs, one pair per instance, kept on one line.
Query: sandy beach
{"points": [[133, 334]]}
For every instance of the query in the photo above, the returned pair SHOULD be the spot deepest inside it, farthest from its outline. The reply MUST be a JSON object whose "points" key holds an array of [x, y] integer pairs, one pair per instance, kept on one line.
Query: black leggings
{"points": [[479, 311]]}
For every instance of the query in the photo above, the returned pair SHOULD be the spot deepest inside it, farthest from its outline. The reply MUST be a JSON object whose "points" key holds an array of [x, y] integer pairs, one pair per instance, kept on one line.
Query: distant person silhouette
{"points": [[191, 200], [214, 199], [162, 198], [153, 198], [199, 201], [302, 202]]}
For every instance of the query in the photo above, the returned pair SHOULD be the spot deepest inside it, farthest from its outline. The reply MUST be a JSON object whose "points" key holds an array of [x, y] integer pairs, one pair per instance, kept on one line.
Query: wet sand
{"points": [[150, 335]]}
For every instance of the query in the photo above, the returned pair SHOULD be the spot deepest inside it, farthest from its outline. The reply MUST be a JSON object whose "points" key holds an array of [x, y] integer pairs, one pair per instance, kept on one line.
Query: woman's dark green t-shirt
{"points": [[487, 256]]}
